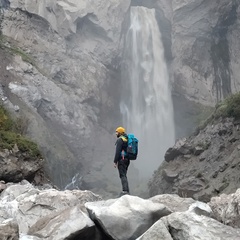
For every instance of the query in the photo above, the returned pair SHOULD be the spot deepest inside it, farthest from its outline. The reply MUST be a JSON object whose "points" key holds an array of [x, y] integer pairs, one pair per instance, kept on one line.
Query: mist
{"points": [[146, 103]]}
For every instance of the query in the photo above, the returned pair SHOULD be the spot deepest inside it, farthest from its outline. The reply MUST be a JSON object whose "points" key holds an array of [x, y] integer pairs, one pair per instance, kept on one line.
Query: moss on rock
{"points": [[10, 135], [229, 107]]}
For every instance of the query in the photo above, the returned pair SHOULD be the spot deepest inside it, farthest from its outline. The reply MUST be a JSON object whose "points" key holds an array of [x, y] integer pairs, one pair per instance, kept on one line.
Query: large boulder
{"points": [[64, 224], [127, 217], [48, 211], [30, 213], [186, 226]]}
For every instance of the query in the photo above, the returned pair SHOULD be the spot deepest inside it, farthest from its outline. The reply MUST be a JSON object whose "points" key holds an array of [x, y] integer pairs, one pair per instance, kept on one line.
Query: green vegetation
{"points": [[204, 145], [19, 52], [11, 133], [230, 107], [4, 44]]}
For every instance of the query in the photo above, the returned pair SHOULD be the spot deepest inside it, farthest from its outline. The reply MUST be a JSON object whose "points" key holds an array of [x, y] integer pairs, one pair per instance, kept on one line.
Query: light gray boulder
{"points": [[27, 205], [173, 202], [127, 217], [63, 16], [65, 224], [190, 226]]}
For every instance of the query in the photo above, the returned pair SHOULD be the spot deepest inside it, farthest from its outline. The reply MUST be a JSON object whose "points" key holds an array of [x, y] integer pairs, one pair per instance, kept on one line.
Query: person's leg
{"points": [[122, 168]]}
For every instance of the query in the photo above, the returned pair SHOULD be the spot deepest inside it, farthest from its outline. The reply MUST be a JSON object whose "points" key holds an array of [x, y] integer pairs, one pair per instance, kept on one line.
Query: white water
{"points": [[148, 112], [75, 183]]}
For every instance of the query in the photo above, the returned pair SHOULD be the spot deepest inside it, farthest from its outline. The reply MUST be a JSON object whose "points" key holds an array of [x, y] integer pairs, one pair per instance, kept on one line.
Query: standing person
{"points": [[121, 160]]}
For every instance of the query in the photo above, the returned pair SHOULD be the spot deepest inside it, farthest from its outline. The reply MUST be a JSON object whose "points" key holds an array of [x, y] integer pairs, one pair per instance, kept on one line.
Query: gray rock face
{"points": [[16, 166], [65, 83], [205, 40], [215, 170]]}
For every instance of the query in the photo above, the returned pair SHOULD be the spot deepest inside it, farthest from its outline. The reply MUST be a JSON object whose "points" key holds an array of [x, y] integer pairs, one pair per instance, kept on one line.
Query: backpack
{"points": [[132, 148]]}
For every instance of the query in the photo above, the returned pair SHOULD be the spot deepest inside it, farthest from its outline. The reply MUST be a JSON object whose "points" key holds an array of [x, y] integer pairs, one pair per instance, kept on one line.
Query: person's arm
{"points": [[119, 144]]}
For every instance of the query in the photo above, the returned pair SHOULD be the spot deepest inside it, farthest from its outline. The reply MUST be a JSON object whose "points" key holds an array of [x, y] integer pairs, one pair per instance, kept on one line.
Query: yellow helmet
{"points": [[120, 130]]}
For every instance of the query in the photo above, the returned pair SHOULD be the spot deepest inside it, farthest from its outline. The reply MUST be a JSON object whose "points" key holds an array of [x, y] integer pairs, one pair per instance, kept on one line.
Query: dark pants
{"points": [[122, 169]]}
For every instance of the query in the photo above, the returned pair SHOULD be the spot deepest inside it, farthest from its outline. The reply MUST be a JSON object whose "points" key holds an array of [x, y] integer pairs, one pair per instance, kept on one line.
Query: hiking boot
{"points": [[123, 193]]}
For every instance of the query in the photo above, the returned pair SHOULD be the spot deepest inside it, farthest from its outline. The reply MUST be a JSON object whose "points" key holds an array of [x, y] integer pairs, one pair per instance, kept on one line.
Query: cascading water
{"points": [[146, 103]]}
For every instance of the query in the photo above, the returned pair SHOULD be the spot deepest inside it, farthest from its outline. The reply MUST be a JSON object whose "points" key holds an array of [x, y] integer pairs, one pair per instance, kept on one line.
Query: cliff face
{"points": [[204, 69], [202, 166], [205, 37], [201, 40], [62, 75]]}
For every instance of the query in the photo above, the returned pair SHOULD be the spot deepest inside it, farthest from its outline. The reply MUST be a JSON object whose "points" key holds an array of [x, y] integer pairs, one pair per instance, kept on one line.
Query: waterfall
{"points": [[75, 183], [146, 103]]}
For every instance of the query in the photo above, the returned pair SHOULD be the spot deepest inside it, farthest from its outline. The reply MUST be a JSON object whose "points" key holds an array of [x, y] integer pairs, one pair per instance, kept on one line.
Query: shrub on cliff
{"points": [[230, 107], [11, 133]]}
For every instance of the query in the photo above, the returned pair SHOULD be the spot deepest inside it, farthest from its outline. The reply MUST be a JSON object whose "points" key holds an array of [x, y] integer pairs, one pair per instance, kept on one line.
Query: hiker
{"points": [[120, 160]]}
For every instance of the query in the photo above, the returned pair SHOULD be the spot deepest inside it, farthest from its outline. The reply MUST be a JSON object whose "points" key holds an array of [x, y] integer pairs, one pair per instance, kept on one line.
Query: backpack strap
{"points": [[124, 140]]}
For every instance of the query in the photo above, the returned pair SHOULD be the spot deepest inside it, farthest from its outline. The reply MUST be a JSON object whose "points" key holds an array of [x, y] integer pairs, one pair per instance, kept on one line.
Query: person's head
{"points": [[120, 131]]}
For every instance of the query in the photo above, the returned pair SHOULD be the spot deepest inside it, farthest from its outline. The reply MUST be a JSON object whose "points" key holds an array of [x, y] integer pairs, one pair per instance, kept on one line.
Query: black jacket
{"points": [[120, 145]]}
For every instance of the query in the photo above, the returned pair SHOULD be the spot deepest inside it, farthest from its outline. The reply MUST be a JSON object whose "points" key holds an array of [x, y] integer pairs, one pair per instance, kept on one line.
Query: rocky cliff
{"points": [[59, 60], [205, 45], [60, 63], [207, 163], [20, 158], [201, 41]]}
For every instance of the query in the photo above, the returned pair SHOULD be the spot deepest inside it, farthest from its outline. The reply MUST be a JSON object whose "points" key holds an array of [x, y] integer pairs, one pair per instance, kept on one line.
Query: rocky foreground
{"points": [[30, 213]]}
